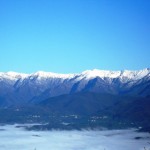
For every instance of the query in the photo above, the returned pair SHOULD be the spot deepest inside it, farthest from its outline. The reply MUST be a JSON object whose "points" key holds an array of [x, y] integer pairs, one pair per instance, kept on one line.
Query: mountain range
{"points": [[20, 89], [93, 98]]}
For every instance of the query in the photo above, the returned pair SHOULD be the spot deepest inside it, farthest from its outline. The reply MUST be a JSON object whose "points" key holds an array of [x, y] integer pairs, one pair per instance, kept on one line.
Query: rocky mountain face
{"points": [[20, 89]]}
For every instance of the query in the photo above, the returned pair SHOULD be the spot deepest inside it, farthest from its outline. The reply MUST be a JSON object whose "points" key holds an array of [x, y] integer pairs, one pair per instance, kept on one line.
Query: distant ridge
{"points": [[113, 99], [88, 74], [19, 88]]}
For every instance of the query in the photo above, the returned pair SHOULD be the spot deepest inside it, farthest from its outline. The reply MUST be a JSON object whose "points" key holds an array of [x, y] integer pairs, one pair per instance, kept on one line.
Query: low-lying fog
{"points": [[12, 138]]}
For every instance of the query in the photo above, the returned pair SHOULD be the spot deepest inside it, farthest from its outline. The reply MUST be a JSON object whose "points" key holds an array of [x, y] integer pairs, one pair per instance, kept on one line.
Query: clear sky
{"points": [[69, 36]]}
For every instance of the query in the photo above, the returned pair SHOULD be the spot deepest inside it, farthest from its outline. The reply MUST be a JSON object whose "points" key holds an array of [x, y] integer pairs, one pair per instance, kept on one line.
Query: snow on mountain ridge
{"points": [[12, 75], [88, 74], [51, 75], [116, 74], [101, 73]]}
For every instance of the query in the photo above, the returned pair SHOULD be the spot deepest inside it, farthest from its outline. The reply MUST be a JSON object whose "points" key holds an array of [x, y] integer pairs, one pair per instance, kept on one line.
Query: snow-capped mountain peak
{"points": [[101, 73], [12, 75], [16, 74], [134, 75]]}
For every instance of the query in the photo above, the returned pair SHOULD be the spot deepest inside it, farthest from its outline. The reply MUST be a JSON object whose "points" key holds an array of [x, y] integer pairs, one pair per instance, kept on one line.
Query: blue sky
{"points": [[67, 36]]}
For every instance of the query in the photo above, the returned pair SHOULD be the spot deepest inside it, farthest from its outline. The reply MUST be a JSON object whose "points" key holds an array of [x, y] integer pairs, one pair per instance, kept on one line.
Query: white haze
{"points": [[12, 138]]}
